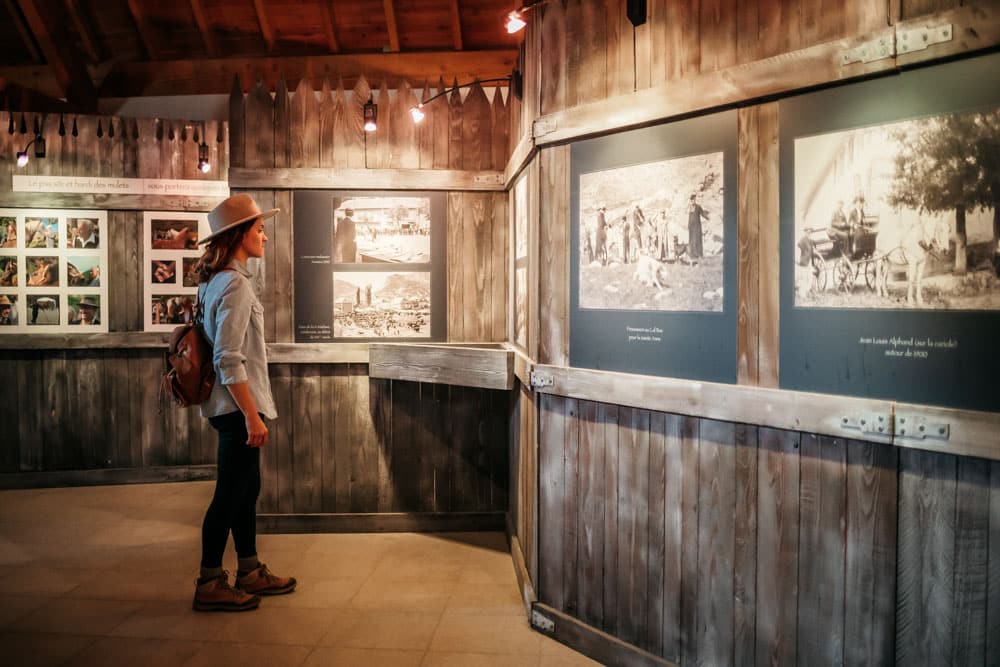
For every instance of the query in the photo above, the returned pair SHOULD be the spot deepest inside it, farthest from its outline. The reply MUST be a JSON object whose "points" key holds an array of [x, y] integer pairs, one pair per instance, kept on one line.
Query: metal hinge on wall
{"points": [[541, 380], [541, 127], [877, 424], [898, 42], [542, 622], [916, 427], [875, 49]]}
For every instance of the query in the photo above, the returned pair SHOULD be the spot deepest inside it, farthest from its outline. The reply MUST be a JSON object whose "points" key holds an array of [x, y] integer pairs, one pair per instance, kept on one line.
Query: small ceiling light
{"points": [[417, 113], [370, 115], [515, 22], [203, 164]]}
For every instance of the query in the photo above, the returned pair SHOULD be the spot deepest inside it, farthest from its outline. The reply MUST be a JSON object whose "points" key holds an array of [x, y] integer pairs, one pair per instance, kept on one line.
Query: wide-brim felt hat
{"points": [[232, 212], [87, 302], [5, 300]]}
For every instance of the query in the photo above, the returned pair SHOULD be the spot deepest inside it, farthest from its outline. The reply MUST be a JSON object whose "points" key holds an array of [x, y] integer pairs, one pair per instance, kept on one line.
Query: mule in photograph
{"points": [[42, 271], [83, 271], [173, 234]]}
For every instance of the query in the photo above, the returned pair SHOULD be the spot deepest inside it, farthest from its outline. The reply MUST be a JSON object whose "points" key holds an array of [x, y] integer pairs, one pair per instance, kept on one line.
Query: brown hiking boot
{"points": [[260, 581], [217, 595]]}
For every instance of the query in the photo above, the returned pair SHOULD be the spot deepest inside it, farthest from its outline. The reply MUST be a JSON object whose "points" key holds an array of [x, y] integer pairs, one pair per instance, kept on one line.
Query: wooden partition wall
{"points": [[657, 533]]}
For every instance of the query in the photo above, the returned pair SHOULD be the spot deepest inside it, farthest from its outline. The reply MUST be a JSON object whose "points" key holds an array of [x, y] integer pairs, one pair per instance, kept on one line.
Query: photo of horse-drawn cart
{"points": [[841, 262]]}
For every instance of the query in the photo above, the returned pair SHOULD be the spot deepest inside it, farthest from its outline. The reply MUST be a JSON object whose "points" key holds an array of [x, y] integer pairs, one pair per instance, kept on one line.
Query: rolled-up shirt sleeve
{"points": [[232, 318]]}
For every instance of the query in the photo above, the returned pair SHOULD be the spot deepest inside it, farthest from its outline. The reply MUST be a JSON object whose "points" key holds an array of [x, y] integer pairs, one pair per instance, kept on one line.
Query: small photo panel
{"points": [[83, 271], [84, 309], [8, 271], [42, 271], [43, 310], [8, 231], [41, 232], [8, 310], [172, 308], [164, 271], [83, 233], [190, 279], [174, 234]]}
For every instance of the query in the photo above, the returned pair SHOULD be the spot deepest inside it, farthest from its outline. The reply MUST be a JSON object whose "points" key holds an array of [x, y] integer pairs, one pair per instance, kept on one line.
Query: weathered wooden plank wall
{"points": [[712, 543]]}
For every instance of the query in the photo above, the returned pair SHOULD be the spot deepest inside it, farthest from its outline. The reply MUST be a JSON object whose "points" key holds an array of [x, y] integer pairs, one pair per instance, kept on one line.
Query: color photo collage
{"points": [[52, 269]]}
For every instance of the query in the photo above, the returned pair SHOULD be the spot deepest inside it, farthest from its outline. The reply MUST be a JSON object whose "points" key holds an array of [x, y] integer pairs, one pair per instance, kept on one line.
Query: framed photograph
{"points": [[889, 237], [369, 265], [171, 249], [520, 262], [52, 267], [653, 250]]}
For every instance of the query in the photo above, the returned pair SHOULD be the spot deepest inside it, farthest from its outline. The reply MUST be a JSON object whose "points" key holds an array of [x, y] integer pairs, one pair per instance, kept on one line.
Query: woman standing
{"points": [[240, 401]]}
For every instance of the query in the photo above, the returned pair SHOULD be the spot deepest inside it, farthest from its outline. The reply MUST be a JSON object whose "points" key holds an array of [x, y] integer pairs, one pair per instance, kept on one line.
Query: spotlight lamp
{"points": [[203, 164], [39, 142], [370, 115], [516, 19], [417, 112]]}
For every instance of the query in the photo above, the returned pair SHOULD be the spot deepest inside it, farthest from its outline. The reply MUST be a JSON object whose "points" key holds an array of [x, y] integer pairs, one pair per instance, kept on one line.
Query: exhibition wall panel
{"points": [[708, 542]]}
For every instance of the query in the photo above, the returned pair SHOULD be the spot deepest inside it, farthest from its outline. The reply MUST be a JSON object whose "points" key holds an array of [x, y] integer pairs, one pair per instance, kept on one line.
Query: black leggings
{"points": [[234, 505]]}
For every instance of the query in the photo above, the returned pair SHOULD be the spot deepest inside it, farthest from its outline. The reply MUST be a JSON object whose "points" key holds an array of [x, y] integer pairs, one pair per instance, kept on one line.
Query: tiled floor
{"points": [[104, 576]]}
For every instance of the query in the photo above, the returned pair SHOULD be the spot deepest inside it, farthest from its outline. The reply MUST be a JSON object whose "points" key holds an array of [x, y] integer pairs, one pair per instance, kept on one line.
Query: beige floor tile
{"points": [[148, 584], [341, 565], [389, 630], [485, 634], [31, 650], [363, 657], [486, 599], [318, 593], [15, 607], [423, 596], [76, 617], [248, 655], [407, 567], [176, 620], [445, 659], [50, 581], [285, 625], [145, 652], [555, 654]]}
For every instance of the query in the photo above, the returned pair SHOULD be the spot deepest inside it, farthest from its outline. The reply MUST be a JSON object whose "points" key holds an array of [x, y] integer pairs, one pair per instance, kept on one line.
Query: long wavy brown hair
{"points": [[220, 250]]}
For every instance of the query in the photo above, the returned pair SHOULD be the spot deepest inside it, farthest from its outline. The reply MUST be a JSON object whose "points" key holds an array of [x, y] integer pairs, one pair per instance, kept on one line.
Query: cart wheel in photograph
{"points": [[871, 273], [819, 271], [844, 274]]}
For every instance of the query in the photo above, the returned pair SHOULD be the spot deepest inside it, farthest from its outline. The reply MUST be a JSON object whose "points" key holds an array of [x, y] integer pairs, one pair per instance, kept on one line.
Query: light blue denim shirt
{"points": [[234, 322]]}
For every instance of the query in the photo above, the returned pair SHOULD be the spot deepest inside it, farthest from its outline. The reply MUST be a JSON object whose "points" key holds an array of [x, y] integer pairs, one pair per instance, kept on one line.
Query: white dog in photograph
{"points": [[647, 272]]}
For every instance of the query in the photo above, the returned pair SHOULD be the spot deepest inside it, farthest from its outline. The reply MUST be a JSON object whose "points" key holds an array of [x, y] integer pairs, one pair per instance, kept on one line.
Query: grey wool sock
{"points": [[244, 565], [210, 573]]}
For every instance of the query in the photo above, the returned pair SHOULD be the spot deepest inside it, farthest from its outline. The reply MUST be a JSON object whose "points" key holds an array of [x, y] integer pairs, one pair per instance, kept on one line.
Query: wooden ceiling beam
{"points": [[265, 26], [26, 38], [456, 25], [329, 26], [204, 28], [84, 28], [390, 23], [67, 66], [145, 30], [215, 76]]}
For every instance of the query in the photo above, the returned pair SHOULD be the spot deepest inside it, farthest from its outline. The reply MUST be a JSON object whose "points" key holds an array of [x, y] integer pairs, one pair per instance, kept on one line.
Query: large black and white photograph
{"points": [[369, 265], [390, 230], [900, 215], [370, 304], [653, 250], [889, 255], [651, 236], [171, 252]]}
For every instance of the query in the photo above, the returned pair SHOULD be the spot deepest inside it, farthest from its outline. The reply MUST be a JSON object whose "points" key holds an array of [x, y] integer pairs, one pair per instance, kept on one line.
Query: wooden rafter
{"points": [[204, 28], [23, 31], [84, 29], [265, 26], [456, 25], [390, 23], [72, 79], [329, 26], [146, 35]]}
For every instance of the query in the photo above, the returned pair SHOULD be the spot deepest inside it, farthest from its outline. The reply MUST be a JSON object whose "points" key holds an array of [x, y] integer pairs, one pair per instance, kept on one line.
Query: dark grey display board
{"points": [[369, 266], [873, 301], [653, 250]]}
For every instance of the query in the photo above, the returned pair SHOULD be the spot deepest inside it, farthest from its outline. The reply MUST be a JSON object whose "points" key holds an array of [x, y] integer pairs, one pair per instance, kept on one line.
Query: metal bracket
{"points": [[541, 380], [918, 39], [875, 49], [542, 622], [873, 423], [916, 427], [488, 179], [542, 127]]}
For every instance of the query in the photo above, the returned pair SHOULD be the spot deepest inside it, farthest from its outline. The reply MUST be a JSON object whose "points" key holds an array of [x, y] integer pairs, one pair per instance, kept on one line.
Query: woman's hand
{"points": [[256, 430]]}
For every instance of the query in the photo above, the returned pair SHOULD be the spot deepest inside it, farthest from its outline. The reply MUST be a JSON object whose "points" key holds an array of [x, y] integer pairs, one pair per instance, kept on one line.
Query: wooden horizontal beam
{"points": [[442, 364], [519, 159], [148, 475], [122, 340], [317, 353], [107, 202], [215, 76], [365, 179], [972, 433]]}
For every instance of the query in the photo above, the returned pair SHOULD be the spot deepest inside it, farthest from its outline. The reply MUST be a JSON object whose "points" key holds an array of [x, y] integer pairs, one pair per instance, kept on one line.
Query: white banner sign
{"points": [[120, 186]]}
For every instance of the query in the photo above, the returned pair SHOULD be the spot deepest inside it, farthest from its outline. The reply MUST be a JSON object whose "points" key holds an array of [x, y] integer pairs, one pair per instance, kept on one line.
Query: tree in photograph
{"points": [[950, 163]]}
